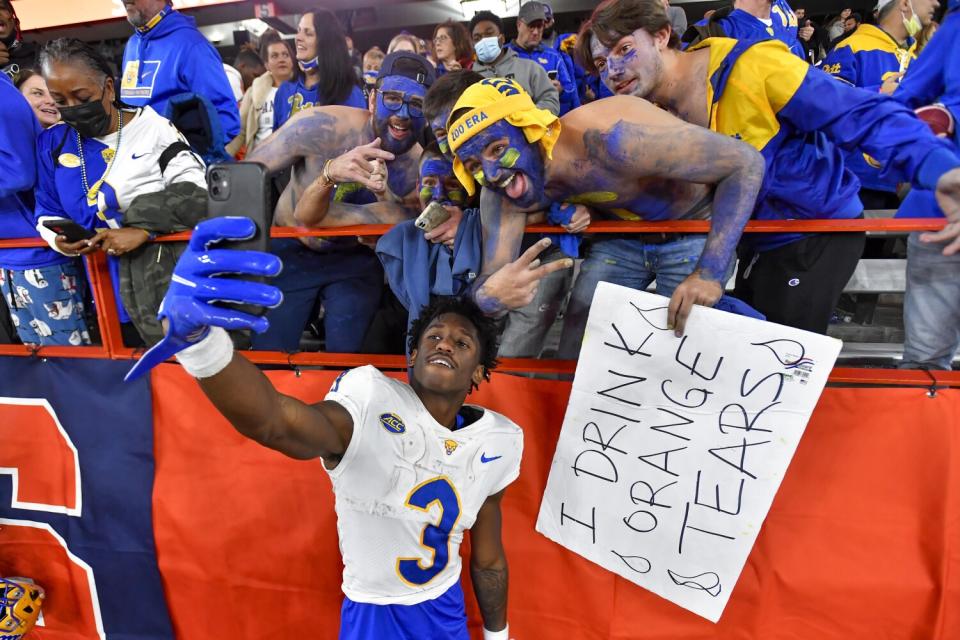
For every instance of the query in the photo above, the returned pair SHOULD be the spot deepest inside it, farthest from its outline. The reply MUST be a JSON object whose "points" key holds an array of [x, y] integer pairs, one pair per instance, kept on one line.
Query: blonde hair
{"points": [[404, 37]]}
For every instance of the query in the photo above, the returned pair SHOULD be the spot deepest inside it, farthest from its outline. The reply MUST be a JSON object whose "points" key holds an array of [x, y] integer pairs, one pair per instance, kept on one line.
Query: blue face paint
{"points": [[401, 99], [439, 127], [526, 160], [440, 171]]}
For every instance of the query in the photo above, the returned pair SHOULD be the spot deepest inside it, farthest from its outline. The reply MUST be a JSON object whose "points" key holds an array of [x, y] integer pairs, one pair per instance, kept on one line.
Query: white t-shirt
{"points": [[407, 488], [265, 117]]}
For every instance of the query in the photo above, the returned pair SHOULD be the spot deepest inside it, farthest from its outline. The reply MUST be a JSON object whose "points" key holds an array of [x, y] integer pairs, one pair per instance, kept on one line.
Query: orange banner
{"points": [[862, 540], [45, 14]]}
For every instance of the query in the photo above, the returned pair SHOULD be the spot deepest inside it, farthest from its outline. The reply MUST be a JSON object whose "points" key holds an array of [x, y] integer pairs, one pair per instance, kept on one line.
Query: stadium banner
{"points": [[861, 541], [76, 497], [672, 449]]}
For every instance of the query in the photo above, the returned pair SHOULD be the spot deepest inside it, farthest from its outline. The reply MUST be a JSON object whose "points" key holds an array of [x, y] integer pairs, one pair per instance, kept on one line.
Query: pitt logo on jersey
{"points": [[392, 423], [450, 446]]}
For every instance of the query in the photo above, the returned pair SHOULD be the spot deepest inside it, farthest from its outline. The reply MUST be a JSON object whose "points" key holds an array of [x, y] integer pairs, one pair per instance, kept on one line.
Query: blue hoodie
{"points": [[741, 25], [553, 60], [18, 142], [172, 58], [933, 77]]}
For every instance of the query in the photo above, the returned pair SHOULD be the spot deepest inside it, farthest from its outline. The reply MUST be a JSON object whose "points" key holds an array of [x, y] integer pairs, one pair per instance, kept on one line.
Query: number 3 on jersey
{"points": [[434, 537]]}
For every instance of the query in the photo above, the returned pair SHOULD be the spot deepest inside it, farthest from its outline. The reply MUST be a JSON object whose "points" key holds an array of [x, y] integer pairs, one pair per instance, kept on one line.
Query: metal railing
{"points": [[112, 346]]}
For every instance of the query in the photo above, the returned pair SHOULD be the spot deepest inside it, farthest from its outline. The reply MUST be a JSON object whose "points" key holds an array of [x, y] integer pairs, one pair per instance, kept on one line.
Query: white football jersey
{"points": [[407, 488]]}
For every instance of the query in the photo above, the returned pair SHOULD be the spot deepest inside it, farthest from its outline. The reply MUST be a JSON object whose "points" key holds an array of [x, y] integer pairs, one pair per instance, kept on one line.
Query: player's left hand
{"points": [[187, 309], [693, 290]]}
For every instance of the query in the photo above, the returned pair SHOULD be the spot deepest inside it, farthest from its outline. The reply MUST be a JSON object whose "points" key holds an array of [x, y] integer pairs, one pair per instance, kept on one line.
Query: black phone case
{"points": [[69, 229], [242, 189]]}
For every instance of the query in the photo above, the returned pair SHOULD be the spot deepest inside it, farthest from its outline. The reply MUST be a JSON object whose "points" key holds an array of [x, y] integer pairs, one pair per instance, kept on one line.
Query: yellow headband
{"points": [[490, 101]]}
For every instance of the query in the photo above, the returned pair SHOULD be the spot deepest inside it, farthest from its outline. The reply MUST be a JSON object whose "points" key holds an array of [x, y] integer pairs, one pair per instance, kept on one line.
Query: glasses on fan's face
{"points": [[393, 100], [441, 38]]}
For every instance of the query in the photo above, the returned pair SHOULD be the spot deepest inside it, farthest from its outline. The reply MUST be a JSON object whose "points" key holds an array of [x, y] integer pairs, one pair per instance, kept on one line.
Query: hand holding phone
{"points": [[433, 216], [69, 229]]}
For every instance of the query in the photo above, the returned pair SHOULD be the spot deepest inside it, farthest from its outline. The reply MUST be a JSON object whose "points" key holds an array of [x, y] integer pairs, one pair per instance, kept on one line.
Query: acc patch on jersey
{"points": [[392, 423]]}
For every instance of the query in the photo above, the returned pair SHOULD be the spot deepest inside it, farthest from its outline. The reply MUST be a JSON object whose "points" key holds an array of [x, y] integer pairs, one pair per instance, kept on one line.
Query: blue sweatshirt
{"points": [[933, 77], [741, 25], [294, 96], [552, 60], [802, 120], [865, 59], [417, 268], [18, 143], [172, 58]]}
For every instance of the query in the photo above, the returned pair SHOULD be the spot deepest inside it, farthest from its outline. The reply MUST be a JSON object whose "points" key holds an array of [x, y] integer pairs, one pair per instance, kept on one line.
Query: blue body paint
{"points": [[409, 111], [526, 159], [443, 190], [439, 127]]}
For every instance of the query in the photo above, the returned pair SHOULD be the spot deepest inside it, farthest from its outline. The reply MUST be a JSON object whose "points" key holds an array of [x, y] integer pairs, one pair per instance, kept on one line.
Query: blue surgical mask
{"points": [[370, 77], [487, 49]]}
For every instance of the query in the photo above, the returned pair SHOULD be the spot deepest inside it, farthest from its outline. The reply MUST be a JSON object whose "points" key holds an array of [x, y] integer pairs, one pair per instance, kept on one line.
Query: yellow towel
{"points": [[490, 101]]}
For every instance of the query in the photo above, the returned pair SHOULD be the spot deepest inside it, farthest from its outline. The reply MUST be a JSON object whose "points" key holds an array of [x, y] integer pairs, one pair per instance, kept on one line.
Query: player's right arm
{"points": [[275, 420], [196, 333]]}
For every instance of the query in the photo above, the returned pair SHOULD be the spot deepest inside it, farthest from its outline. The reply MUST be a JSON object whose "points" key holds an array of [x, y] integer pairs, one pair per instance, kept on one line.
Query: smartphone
{"points": [[72, 231], [552, 74], [432, 217], [242, 189]]}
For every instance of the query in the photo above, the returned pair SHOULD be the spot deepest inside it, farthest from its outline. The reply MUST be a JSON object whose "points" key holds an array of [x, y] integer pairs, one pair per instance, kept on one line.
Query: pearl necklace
{"points": [[95, 189]]}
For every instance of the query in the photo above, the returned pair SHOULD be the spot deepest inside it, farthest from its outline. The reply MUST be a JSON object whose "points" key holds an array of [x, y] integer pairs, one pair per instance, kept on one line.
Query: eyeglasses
{"points": [[393, 100], [441, 39]]}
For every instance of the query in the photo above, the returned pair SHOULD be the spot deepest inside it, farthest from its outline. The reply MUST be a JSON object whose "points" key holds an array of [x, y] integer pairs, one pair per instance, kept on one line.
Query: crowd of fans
{"points": [[353, 137]]}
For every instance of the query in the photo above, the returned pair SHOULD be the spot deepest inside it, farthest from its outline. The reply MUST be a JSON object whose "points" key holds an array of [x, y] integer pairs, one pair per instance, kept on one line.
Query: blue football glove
{"points": [[194, 286]]}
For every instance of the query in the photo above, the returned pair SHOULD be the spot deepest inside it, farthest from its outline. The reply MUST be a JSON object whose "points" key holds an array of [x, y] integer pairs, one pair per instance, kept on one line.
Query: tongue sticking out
{"points": [[517, 186]]}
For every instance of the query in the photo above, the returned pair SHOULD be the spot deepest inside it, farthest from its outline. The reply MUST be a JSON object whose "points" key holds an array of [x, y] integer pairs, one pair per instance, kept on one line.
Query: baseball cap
{"points": [[547, 11], [409, 65], [532, 11]]}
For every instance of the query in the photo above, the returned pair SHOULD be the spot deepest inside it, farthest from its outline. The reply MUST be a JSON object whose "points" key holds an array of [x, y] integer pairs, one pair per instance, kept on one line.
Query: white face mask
{"points": [[487, 49]]}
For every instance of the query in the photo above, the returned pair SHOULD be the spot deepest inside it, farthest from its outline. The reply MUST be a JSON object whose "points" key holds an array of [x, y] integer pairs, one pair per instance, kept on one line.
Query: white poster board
{"points": [[672, 449]]}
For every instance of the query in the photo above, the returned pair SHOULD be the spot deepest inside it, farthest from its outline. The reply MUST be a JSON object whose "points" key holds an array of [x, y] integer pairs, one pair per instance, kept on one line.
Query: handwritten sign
{"points": [[672, 449]]}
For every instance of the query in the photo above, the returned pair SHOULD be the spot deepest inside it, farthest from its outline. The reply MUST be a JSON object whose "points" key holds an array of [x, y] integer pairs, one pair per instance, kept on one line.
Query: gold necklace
{"points": [[109, 154]]}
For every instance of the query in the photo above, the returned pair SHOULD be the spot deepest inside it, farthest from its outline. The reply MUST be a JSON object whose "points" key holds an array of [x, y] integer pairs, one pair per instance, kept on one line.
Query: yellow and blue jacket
{"points": [[803, 122], [865, 59]]}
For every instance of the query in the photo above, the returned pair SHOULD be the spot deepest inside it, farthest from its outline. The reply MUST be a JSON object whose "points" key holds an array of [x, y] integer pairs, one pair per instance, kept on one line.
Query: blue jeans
{"points": [[347, 282], [631, 263], [931, 306], [527, 327], [46, 304]]}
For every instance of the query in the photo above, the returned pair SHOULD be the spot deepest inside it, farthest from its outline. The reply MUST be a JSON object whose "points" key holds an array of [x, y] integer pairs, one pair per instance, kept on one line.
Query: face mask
{"points": [[487, 49], [90, 119], [309, 64], [912, 24], [370, 77]]}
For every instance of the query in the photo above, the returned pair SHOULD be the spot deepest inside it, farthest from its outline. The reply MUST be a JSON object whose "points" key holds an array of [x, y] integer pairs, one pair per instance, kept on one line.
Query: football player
{"points": [[412, 466]]}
